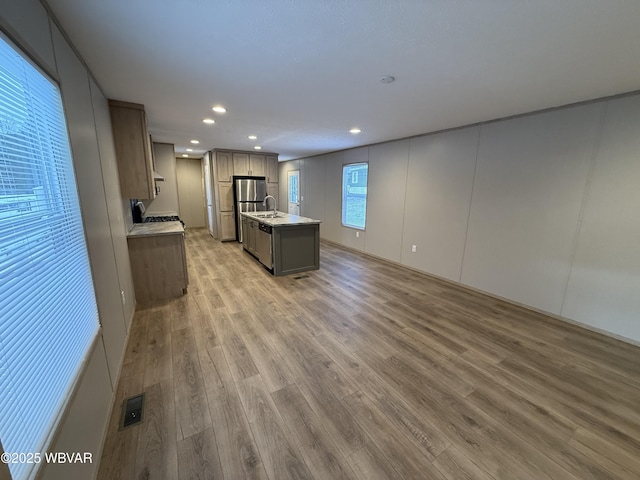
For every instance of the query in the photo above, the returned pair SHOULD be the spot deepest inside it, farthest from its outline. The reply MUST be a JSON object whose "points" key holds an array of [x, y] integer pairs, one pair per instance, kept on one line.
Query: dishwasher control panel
{"points": [[265, 228]]}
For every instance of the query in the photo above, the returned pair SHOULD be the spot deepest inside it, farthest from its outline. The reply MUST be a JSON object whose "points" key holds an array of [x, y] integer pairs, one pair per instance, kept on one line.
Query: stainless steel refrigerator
{"points": [[249, 194]]}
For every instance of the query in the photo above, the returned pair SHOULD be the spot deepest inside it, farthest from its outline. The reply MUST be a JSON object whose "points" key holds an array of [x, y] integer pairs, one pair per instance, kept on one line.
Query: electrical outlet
{"points": [[123, 299], [414, 249], [357, 234]]}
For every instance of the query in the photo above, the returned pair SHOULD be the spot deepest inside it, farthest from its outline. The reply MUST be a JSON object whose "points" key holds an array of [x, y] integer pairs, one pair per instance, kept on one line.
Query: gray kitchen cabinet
{"points": [[226, 197], [158, 266], [227, 226], [249, 235], [256, 165], [241, 163], [286, 244], [271, 168], [133, 150], [250, 164], [245, 233], [296, 248], [224, 167]]}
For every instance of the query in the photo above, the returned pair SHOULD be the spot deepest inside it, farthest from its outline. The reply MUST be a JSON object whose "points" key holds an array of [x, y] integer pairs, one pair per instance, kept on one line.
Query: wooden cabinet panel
{"points": [[240, 163], [249, 235], [245, 233], [248, 164], [296, 248], [226, 197], [224, 167], [256, 165], [227, 226], [272, 189], [133, 150], [271, 167], [158, 266]]}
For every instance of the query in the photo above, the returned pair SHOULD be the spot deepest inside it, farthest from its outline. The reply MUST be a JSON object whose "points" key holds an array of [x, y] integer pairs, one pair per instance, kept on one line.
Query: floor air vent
{"points": [[300, 277], [132, 410]]}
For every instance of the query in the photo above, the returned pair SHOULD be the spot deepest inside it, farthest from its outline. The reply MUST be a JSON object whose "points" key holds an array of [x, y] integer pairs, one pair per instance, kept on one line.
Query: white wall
{"points": [[539, 209], [388, 165], [604, 285], [312, 191], [78, 105], [191, 195], [437, 201], [84, 424], [531, 175]]}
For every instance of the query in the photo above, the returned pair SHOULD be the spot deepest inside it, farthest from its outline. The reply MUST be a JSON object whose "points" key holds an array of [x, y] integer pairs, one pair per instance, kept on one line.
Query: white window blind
{"points": [[48, 313]]}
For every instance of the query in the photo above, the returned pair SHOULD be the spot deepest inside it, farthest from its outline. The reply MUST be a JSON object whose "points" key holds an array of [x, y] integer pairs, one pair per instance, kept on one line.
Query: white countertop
{"points": [[155, 229], [282, 220]]}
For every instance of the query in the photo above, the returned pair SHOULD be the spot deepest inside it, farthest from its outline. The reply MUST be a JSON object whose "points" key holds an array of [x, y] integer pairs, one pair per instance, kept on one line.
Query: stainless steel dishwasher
{"points": [[263, 245]]}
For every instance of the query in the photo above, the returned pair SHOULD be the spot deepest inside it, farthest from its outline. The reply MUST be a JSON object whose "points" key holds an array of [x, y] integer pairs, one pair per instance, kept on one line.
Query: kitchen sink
{"points": [[267, 215]]}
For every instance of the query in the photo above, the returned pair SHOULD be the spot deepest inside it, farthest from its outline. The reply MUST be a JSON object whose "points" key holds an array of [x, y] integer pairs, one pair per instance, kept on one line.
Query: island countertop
{"points": [[151, 229], [282, 219]]}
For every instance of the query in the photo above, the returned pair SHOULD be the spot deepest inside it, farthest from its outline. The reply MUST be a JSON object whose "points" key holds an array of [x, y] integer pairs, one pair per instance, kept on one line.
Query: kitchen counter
{"points": [[283, 219], [158, 261], [155, 229], [285, 244]]}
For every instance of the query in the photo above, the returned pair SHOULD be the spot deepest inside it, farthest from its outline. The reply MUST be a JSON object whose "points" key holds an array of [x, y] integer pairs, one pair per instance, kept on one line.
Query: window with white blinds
{"points": [[48, 312]]}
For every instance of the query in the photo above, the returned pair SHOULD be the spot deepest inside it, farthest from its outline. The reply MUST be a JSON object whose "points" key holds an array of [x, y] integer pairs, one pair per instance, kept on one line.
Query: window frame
{"points": [[352, 176], [59, 206]]}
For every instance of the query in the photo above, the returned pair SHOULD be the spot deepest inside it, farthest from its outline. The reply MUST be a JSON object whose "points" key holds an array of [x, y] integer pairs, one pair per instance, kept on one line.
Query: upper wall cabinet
{"points": [[224, 167], [241, 164], [133, 150], [271, 168], [248, 164]]}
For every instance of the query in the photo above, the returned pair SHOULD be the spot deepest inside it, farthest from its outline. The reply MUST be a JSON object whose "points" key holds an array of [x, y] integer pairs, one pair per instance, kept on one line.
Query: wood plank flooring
{"points": [[364, 370]]}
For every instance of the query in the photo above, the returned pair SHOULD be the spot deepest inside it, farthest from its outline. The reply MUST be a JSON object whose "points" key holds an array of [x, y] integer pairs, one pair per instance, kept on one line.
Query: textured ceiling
{"points": [[300, 73]]}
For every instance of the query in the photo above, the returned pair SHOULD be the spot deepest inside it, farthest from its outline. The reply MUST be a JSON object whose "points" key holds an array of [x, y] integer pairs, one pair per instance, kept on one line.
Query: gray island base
{"points": [[284, 244]]}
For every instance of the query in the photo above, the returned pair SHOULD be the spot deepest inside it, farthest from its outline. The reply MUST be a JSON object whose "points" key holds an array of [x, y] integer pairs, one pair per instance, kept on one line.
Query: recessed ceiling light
{"points": [[388, 79], [252, 137], [355, 131], [219, 109], [209, 121], [189, 149], [195, 142], [257, 147], [185, 155]]}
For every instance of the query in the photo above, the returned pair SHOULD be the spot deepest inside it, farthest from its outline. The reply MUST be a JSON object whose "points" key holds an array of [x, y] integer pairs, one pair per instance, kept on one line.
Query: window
{"points": [[354, 195], [293, 187], [48, 312]]}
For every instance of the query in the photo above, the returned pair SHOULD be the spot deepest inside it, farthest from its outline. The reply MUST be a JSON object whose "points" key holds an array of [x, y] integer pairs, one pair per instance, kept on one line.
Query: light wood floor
{"points": [[365, 370]]}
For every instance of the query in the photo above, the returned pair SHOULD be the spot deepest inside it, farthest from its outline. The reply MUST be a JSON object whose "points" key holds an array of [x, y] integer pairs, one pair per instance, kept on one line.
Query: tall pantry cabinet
{"points": [[271, 175], [224, 165]]}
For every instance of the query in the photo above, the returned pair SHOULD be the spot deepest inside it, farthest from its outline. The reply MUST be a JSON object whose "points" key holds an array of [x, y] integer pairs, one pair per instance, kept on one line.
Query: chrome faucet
{"points": [[275, 204]]}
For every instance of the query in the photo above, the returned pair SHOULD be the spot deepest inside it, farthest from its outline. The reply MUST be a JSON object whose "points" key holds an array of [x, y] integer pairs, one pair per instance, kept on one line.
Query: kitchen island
{"points": [[158, 260], [284, 243]]}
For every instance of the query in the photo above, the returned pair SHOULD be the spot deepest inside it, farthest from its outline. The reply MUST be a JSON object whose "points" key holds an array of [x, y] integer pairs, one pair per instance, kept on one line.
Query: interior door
{"points": [[293, 187]]}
